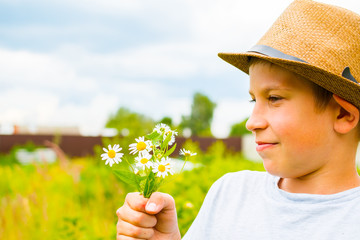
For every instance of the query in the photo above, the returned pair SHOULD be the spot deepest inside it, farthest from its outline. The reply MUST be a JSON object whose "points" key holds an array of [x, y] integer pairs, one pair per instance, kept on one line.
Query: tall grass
{"points": [[79, 201]]}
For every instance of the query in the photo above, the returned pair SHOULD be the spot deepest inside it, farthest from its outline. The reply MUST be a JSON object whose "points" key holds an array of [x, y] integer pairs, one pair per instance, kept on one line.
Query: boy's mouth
{"points": [[261, 146]]}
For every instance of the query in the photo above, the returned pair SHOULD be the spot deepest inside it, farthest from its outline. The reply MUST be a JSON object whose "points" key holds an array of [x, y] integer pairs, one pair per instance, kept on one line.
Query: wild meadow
{"points": [[79, 200]]}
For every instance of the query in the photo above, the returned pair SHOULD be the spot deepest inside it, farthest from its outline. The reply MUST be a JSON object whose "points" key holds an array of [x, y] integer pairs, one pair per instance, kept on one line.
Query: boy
{"points": [[304, 76]]}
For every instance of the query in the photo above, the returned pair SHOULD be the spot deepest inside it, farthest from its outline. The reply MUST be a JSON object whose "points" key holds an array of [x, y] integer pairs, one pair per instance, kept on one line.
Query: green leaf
{"points": [[166, 141], [152, 136], [128, 177], [170, 151], [149, 185]]}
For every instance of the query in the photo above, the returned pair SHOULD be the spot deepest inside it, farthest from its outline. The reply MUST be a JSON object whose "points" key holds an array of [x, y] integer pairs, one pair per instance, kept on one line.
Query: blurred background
{"points": [[74, 63], [77, 75]]}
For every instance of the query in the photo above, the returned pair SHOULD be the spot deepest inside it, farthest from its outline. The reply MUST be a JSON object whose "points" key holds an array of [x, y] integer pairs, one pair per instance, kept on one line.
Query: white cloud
{"points": [[44, 30], [94, 6], [25, 68], [36, 108], [171, 60], [21, 106], [91, 118]]}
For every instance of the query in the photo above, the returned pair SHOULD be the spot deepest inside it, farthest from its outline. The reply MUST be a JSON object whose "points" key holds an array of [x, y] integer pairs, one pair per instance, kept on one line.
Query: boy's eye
{"points": [[274, 98], [252, 100]]}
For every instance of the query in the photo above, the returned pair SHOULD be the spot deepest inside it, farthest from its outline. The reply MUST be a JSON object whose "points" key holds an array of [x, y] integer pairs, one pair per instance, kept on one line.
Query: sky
{"points": [[76, 62]]}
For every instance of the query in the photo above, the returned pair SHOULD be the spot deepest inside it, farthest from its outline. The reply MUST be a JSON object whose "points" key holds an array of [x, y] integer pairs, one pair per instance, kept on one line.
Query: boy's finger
{"points": [[127, 229], [160, 202], [136, 201], [122, 237], [136, 218]]}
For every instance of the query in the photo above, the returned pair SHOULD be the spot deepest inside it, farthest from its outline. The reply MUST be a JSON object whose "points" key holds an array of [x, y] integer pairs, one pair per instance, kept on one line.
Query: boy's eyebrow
{"points": [[268, 89]]}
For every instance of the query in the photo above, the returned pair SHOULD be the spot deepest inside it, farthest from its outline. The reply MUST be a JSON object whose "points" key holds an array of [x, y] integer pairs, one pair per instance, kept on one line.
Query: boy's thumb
{"points": [[162, 205], [160, 202]]}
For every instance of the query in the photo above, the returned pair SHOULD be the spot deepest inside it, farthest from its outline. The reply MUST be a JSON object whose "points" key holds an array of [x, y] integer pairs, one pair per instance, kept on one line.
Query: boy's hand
{"points": [[142, 218]]}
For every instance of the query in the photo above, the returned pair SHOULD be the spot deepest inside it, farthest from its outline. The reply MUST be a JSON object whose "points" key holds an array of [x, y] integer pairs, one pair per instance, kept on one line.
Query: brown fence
{"points": [[81, 146]]}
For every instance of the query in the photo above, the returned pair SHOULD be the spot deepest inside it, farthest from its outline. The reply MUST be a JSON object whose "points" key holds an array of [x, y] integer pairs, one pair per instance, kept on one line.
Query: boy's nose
{"points": [[256, 121]]}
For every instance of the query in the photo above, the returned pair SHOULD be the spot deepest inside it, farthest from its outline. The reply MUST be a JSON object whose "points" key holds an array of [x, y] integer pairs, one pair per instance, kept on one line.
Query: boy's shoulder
{"points": [[244, 175], [244, 181]]}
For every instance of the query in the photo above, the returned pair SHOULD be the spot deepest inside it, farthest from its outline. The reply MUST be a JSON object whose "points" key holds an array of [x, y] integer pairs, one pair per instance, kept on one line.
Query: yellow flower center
{"points": [[141, 146], [187, 154], [161, 168], [144, 160], [111, 153]]}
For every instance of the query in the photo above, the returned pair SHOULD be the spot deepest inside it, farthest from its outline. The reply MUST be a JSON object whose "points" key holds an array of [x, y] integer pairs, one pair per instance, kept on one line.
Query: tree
{"points": [[130, 124], [167, 121], [199, 121], [239, 129]]}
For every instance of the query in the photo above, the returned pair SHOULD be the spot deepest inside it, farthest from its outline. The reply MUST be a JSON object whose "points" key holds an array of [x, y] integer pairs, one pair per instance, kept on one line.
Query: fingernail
{"points": [[151, 207]]}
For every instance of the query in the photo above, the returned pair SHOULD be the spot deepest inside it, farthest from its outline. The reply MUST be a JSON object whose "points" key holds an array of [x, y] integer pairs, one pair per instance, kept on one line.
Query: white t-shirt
{"points": [[249, 205]]}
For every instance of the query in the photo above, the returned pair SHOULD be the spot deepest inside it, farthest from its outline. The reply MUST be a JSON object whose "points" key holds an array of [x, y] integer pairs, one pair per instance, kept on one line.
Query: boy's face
{"points": [[293, 138]]}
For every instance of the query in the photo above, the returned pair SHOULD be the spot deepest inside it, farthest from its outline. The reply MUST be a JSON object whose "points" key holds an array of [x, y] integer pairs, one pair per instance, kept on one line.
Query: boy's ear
{"points": [[347, 116]]}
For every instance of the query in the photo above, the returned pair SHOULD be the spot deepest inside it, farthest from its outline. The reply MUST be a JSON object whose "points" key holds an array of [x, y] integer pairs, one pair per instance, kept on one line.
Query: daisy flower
{"points": [[140, 146], [172, 140], [186, 153], [112, 154], [143, 160], [163, 168], [161, 128]]}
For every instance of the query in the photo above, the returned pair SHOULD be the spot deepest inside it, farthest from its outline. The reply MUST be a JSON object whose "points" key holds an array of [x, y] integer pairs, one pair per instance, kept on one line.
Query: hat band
{"points": [[272, 52]]}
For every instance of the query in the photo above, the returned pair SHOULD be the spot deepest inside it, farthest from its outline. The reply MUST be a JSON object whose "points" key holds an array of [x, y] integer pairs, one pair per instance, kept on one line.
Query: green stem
{"points": [[186, 158], [129, 164]]}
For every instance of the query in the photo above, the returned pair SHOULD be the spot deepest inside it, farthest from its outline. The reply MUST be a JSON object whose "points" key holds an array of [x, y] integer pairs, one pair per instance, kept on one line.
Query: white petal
{"points": [[105, 150], [117, 148]]}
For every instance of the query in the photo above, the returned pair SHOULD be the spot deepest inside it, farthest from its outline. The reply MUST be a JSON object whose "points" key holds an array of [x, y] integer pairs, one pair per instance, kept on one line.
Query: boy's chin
{"points": [[275, 170]]}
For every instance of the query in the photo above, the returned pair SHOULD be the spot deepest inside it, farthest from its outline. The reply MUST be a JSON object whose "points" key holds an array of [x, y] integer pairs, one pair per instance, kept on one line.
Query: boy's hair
{"points": [[322, 98]]}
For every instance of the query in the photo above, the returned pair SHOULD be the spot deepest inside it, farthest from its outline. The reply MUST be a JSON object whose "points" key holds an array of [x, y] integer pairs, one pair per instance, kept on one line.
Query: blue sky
{"points": [[74, 62]]}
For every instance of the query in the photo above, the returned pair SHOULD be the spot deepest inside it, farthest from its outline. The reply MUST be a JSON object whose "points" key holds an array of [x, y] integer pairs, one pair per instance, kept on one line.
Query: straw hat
{"points": [[318, 41]]}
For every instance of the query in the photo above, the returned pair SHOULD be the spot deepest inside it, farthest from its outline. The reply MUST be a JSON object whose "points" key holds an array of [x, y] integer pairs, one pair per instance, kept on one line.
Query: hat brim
{"points": [[336, 84]]}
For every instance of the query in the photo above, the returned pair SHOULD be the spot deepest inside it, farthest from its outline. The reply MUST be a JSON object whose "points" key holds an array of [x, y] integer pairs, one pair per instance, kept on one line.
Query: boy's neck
{"points": [[321, 183], [337, 175]]}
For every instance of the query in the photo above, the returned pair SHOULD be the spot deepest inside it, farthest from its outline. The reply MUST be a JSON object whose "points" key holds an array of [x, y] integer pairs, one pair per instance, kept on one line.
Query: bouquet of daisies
{"points": [[151, 159]]}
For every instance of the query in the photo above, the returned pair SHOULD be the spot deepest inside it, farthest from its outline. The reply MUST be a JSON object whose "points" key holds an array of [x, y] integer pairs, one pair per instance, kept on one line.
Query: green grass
{"points": [[79, 201]]}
